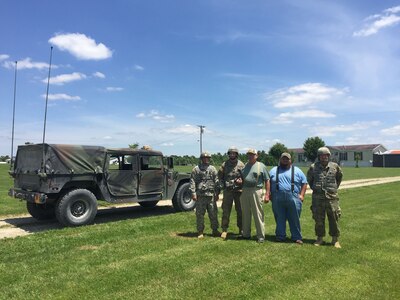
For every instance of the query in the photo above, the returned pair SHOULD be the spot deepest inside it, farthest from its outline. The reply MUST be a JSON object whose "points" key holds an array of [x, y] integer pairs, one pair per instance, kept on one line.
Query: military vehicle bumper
{"points": [[33, 197]]}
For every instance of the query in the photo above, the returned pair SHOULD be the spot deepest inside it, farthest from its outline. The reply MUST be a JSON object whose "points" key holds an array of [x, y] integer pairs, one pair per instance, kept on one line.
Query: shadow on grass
{"points": [[17, 226]]}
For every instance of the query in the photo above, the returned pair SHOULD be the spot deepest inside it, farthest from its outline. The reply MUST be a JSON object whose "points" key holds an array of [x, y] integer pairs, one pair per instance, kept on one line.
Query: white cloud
{"points": [[303, 95], [333, 130], [81, 46], [287, 118], [4, 57], [139, 68], [99, 75], [114, 89], [65, 78], [395, 130], [307, 114], [62, 97], [167, 144], [393, 10], [155, 115], [27, 63], [184, 129], [235, 36], [379, 21], [237, 75]]}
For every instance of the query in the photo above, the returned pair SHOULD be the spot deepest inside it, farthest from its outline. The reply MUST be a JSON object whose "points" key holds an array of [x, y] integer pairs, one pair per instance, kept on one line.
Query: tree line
{"points": [[270, 158]]}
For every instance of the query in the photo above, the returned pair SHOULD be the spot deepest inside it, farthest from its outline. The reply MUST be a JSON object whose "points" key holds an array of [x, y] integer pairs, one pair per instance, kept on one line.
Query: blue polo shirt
{"points": [[285, 179]]}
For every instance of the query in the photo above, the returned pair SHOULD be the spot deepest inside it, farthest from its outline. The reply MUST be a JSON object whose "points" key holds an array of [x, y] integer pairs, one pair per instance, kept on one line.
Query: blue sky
{"points": [[252, 72]]}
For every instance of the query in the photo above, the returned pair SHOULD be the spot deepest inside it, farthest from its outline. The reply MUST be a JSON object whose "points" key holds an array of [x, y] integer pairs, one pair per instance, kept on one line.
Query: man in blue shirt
{"points": [[288, 187]]}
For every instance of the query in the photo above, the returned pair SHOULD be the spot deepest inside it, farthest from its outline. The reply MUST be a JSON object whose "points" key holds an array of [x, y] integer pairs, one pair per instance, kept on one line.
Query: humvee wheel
{"points": [[41, 211], [148, 204], [77, 207], [182, 200]]}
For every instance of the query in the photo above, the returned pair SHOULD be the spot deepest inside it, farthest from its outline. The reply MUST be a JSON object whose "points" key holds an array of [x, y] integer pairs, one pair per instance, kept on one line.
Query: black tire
{"points": [[77, 207], [41, 211], [182, 200], [148, 204]]}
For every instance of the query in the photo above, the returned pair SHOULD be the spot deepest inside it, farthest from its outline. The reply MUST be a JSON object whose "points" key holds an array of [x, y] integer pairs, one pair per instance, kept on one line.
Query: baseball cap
{"points": [[251, 151], [285, 154]]}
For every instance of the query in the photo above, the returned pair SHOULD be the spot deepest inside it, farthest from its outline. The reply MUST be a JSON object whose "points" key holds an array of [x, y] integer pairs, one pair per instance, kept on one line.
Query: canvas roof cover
{"points": [[60, 158]]}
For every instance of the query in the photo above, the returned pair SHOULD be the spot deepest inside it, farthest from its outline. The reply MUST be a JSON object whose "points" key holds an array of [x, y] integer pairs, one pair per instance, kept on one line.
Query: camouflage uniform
{"points": [[227, 174], [325, 181], [204, 184]]}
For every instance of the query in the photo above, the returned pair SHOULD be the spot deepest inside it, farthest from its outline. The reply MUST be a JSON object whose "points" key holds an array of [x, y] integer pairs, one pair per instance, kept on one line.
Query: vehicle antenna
{"points": [[13, 120], [45, 111]]}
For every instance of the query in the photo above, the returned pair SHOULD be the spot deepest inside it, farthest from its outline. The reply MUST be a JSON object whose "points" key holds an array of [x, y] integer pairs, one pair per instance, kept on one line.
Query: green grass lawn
{"points": [[159, 257], [8, 205]]}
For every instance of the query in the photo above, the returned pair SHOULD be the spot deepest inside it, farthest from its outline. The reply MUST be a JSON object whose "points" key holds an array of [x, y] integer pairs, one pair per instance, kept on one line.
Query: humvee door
{"points": [[122, 175], [151, 174]]}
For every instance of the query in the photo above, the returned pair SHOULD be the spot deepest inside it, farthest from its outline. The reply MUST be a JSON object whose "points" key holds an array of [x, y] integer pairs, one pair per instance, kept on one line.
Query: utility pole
{"points": [[201, 137]]}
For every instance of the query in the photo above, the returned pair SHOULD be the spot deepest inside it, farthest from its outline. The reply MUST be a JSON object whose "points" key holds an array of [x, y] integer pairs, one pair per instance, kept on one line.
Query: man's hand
{"points": [[266, 198], [194, 197]]}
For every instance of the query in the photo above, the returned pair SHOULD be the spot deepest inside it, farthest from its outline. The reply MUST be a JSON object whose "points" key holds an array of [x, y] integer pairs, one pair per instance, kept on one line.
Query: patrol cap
{"points": [[324, 150], [233, 149], [251, 151], [205, 154], [285, 154]]}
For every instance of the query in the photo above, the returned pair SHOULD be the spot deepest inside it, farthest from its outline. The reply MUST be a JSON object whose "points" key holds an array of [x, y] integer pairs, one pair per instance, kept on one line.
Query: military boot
{"points": [[224, 234], [335, 242], [319, 241], [200, 235], [216, 233]]}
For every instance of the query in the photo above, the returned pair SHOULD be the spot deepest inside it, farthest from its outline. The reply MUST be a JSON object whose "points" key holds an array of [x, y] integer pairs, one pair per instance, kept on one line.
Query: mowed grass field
{"points": [[159, 257]]}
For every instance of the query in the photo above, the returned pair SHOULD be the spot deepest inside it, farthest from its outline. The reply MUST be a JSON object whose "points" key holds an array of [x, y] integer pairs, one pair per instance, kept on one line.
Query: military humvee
{"points": [[66, 181]]}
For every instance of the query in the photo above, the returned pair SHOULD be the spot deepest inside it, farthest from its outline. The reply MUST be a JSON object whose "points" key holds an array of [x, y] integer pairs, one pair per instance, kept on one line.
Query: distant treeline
{"points": [[218, 158], [270, 158]]}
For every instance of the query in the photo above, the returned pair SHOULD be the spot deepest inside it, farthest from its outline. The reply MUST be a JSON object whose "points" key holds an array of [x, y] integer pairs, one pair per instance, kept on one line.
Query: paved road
{"points": [[11, 227]]}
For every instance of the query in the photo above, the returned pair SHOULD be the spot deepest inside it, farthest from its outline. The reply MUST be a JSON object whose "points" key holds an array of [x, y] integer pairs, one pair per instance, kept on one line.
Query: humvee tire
{"points": [[41, 211], [77, 207], [148, 204], [182, 200]]}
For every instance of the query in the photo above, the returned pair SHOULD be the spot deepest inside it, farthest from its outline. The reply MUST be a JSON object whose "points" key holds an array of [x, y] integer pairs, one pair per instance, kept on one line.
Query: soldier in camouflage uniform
{"points": [[324, 178], [228, 175], [204, 186]]}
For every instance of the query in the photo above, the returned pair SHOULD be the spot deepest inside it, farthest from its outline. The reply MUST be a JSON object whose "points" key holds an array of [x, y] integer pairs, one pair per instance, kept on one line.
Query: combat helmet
{"points": [[233, 149], [205, 154], [324, 150]]}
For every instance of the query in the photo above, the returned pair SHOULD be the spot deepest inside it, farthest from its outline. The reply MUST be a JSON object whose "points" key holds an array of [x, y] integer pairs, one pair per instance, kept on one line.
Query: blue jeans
{"points": [[287, 206]]}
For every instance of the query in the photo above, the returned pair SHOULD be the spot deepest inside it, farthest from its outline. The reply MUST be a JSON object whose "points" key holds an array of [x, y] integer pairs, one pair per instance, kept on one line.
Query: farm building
{"points": [[346, 155], [388, 159]]}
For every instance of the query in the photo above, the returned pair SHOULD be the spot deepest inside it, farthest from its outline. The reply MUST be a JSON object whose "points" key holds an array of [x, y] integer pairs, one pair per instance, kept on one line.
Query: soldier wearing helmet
{"points": [[204, 187], [324, 178], [228, 176]]}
